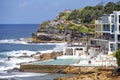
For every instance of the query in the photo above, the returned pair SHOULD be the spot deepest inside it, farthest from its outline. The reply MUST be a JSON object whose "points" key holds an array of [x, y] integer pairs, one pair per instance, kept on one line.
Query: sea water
{"points": [[12, 44]]}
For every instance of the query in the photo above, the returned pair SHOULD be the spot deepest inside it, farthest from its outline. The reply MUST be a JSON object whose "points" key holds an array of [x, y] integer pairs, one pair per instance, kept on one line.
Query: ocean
{"points": [[12, 44]]}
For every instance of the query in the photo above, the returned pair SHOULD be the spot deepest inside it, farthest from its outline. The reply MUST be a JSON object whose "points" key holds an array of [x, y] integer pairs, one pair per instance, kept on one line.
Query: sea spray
{"points": [[15, 61], [13, 41], [20, 74]]}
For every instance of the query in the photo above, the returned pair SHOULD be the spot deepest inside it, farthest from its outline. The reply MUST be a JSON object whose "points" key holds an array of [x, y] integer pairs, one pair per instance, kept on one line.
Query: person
{"points": [[9, 57], [89, 62], [55, 58]]}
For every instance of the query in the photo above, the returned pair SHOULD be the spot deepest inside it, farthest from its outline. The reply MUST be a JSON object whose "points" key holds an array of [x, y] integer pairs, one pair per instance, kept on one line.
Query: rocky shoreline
{"points": [[32, 40], [83, 73], [101, 75]]}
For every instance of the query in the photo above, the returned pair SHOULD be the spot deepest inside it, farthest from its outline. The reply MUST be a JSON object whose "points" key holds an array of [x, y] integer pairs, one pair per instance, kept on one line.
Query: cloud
{"points": [[23, 4]]}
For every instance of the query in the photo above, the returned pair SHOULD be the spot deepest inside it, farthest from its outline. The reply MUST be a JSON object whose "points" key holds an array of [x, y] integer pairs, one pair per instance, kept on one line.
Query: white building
{"points": [[76, 50], [108, 32]]}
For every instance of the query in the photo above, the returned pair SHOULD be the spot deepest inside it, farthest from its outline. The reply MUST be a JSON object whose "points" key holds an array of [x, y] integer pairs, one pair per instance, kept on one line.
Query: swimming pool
{"points": [[56, 62]]}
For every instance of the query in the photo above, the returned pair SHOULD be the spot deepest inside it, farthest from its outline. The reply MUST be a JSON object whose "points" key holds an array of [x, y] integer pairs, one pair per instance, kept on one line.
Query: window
{"points": [[113, 28], [111, 47], [119, 18], [107, 36], [112, 19], [79, 48], [98, 28], [119, 28], [105, 19], [106, 27], [118, 37], [118, 45]]}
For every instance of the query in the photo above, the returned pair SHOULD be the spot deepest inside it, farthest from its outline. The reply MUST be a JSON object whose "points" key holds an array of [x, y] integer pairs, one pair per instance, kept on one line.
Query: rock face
{"points": [[101, 75], [55, 30], [48, 56]]}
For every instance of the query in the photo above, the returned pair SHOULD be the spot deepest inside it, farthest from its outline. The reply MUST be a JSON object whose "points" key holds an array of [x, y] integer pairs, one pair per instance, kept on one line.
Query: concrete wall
{"points": [[60, 68]]}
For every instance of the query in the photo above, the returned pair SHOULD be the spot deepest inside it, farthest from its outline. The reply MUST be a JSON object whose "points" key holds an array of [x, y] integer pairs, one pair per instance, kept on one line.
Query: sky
{"points": [[38, 11]]}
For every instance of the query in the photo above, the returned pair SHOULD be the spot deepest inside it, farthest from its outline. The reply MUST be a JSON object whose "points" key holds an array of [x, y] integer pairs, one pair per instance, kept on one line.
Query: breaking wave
{"points": [[14, 41], [14, 62], [23, 41], [21, 74]]}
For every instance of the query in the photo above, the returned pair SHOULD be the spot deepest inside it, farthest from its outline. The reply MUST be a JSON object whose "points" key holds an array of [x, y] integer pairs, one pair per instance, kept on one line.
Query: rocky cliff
{"points": [[60, 29]]}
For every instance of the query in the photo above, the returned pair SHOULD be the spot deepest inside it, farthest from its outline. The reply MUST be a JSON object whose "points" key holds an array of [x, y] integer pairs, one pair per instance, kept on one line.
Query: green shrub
{"points": [[117, 55]]}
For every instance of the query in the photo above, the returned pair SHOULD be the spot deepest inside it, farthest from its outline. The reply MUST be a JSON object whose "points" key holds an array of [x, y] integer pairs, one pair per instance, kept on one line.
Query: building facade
{"points": [[107, 32], [75, 49]]}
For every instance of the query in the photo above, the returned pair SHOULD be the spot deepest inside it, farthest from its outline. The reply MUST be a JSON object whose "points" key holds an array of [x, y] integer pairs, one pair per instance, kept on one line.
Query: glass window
{"points": [[79, 48], [112, 19], [119, 18], [112, 30], [118, 45], [118, 37], [105, 19], [111, 46], [119, 28], [106, 28]]}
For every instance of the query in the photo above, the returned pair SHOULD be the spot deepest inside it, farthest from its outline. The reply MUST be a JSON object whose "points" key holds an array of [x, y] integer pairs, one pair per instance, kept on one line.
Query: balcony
{"points": [[105, 19], [106, 27], [98, 21], [105, 38]]}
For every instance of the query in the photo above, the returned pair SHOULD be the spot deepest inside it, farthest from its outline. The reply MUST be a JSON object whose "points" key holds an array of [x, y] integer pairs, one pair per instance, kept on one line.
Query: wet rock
{"points": [[24, 54], [13, 70], [38, 53], [116, 72], [44, 37], [101, 75], [47, 56]]}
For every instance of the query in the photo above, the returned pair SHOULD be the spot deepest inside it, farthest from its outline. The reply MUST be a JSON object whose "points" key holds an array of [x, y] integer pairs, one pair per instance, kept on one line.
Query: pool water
{"points": [[57, 62]]}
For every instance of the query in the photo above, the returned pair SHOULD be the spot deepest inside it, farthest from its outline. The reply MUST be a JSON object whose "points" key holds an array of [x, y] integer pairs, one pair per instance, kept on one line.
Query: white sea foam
{"points": [[14, 41], [2, 60], [60, 47], [23, 41], [51, 43], [21, 74], [18, 53], [13, 62]]}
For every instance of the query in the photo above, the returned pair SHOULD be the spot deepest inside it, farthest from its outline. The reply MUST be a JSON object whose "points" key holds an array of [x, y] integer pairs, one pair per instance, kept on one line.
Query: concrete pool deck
{"points": [[71, 64], [63, 66]]}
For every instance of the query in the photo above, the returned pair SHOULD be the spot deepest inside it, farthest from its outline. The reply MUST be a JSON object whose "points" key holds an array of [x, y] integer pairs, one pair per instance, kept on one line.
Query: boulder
{"points": [[44, 37], [47, 56], [13, 70]]}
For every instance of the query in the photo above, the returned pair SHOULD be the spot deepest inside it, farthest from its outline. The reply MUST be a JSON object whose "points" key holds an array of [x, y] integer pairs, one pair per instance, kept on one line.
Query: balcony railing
{"points": [[105, 38], [98, 21]]}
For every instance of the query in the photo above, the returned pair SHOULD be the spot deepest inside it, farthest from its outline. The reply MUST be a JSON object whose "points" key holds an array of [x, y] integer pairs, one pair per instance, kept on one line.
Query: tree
{"points": [[110, 7], [117, 55], [74, 14], [118, 6]]}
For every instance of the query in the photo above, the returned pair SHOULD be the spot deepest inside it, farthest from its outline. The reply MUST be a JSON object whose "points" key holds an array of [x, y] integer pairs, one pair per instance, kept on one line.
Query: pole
{"points": [[116, 31]]}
